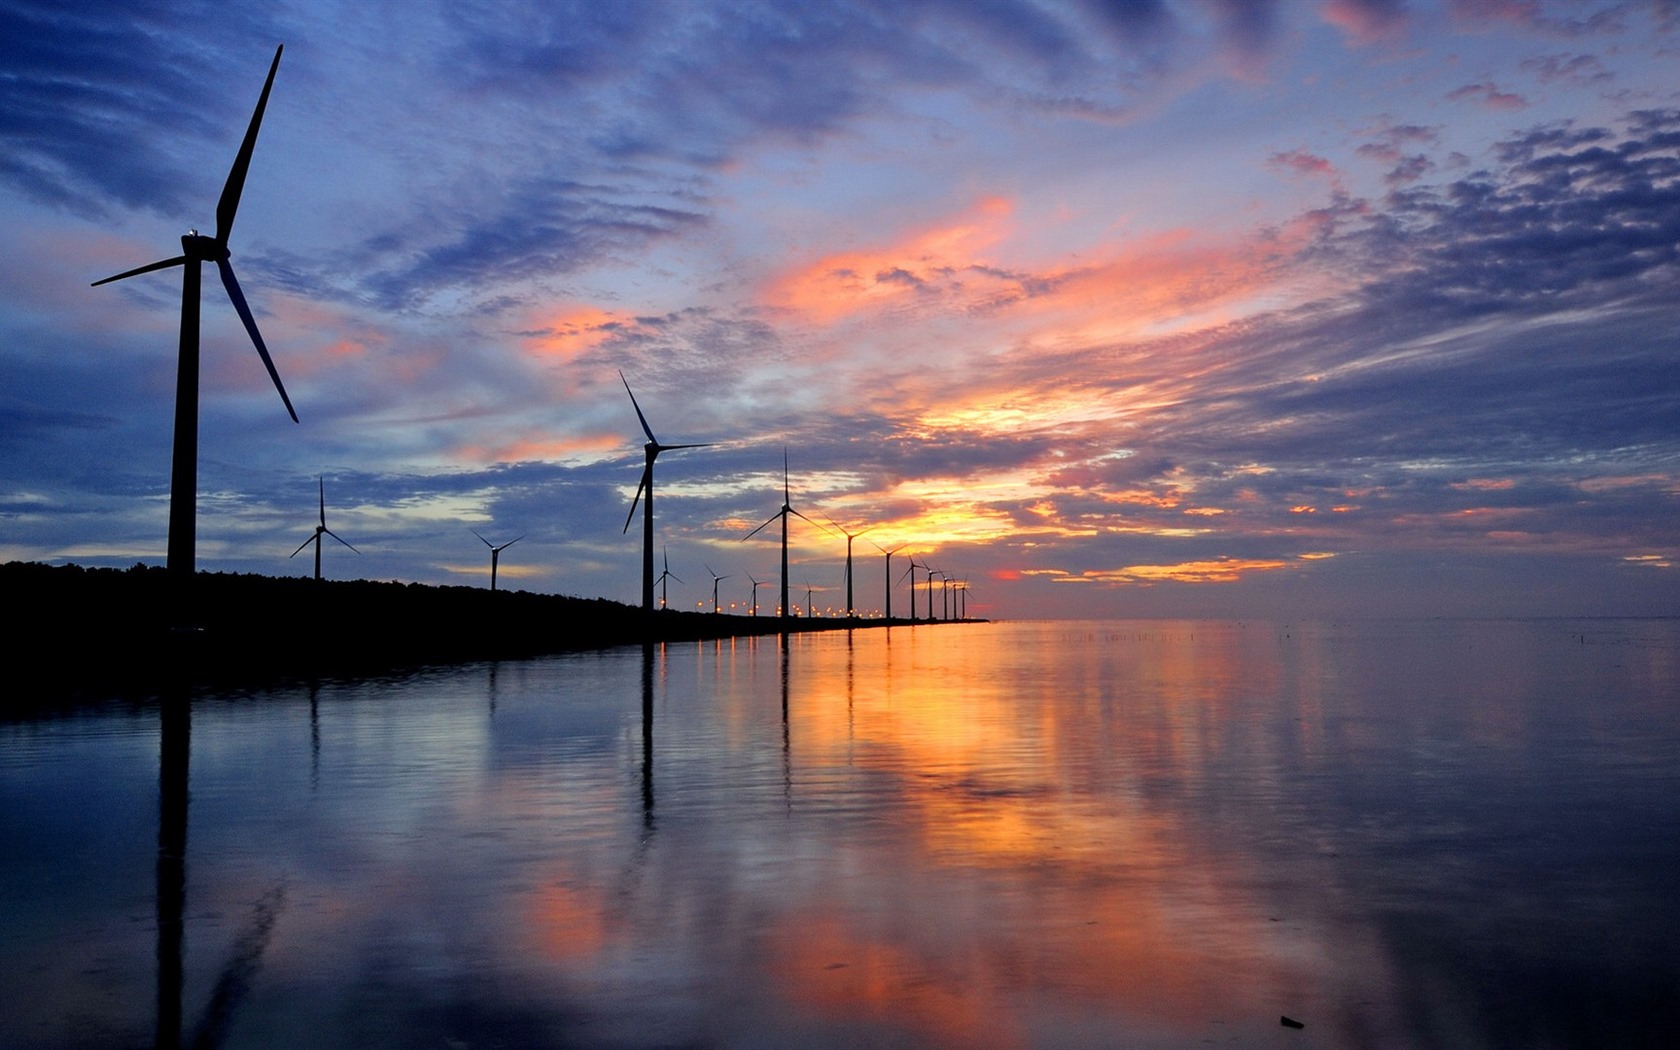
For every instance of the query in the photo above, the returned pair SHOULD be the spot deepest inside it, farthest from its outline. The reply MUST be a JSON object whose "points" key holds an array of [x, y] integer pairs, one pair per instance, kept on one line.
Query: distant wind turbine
{"points": [[495, 553], [715, 580], [851, 608], [756, 582], [319, 529], [787, 508], [931, 573], [652, 450], [197, 249], [887, 613], [665, 575]]}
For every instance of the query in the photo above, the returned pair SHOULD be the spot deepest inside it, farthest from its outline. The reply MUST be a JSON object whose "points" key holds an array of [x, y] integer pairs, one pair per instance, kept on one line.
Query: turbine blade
{"points": [[818, 524], [340, 539], [301, 546], [668, 448], [756, 531], [674, 576], [148, 268], [510, 543], [628, 518], [486, 542], [235, 185], [323, 484], [645, 428], [238, 297]]}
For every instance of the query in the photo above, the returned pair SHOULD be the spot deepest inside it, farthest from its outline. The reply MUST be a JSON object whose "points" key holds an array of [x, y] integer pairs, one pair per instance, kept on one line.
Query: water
{"points": [[1141, 834]]}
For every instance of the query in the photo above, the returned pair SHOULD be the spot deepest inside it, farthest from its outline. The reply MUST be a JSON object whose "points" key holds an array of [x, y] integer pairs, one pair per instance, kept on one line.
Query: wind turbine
{"points": [[809, 611], [667, 574], [652, 450], [931, 572], [787, 508], [319, 529], [889, 554], [911, 573], [196, 250], [495, 553], [715, 580], [756, 582], [851, 608]]}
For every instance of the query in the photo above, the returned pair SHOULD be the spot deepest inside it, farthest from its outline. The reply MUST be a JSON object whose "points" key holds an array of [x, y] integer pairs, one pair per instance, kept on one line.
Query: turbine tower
{"points": [[196, 250], [667, 574], [319, 529], [652, 450], [495, 553], [887, 612], [851, 609], [715, 580], [787, 508]]}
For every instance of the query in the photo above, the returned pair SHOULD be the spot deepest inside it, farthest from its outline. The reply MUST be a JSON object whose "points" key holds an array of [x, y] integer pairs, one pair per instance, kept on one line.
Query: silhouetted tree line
{"points": [[77, 629]]}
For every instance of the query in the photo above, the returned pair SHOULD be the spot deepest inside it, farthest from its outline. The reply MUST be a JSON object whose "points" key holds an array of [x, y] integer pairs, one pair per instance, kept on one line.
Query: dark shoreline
{"points": [[104, 631]]}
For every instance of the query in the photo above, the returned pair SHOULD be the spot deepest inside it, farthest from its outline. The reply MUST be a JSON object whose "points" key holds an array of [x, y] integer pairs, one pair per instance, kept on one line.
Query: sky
{"points": [[1296, 309]]}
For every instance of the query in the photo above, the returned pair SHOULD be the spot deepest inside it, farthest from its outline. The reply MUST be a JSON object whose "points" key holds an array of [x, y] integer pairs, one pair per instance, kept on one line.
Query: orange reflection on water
{"points": [[1028, 868]]}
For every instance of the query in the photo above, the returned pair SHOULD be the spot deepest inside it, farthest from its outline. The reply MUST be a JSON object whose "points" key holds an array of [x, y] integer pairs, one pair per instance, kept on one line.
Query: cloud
{"points": [[96, 111], [1487, 94]]}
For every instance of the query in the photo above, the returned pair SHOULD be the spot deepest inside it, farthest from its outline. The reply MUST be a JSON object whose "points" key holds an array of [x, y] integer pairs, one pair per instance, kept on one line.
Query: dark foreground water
{"points": [[1141, 834]]}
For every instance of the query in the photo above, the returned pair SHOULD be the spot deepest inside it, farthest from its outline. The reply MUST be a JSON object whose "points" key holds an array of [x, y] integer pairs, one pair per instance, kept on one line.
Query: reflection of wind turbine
{"points": [[652, 450], [495, 553], [715, 579], [787, 508], [319, 529], [667, 574], [197, 249], [851, 608]]}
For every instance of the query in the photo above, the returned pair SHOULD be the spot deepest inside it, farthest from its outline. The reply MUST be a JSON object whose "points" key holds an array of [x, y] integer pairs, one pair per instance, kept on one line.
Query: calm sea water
{"points": [[1139, 834]]}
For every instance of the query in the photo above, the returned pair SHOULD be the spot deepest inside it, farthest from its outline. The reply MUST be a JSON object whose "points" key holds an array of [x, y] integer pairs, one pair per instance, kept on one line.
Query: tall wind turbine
{"points": [[787, 508], [666, 574], [652, 450], [319, 529], [889, 553], [851, 608], [495, 553], [715, 580], [197, 249]]}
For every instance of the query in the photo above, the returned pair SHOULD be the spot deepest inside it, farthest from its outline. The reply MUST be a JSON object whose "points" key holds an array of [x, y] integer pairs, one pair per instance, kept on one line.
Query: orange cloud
{"points": [[570, 333], [848, 282], [1221, 570], [544, 447]]}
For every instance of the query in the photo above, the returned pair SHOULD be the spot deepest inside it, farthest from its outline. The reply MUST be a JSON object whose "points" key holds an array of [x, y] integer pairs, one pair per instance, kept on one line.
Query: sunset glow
{"points": [[1391, 283]]}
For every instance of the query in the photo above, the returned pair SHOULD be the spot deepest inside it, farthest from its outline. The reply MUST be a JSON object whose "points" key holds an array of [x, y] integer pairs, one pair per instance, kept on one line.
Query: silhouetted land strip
{"points": [[86, 629]]}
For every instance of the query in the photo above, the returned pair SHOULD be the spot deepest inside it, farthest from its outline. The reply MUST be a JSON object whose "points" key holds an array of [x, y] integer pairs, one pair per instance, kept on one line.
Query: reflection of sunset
{"points": [[1033, 876], [564, 924]]}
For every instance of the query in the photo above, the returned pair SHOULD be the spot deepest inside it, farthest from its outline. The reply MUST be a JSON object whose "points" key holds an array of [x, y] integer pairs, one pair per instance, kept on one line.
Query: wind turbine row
{"points": [[197, 249]]}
